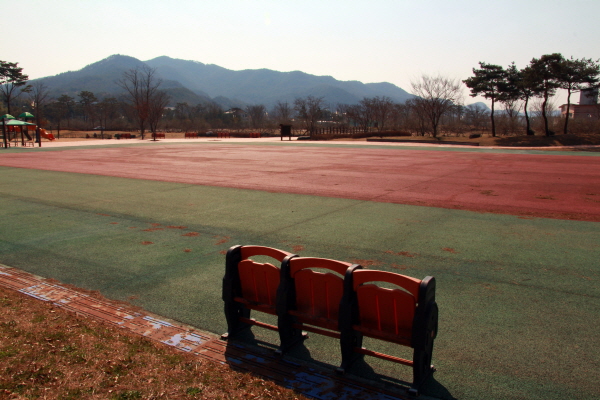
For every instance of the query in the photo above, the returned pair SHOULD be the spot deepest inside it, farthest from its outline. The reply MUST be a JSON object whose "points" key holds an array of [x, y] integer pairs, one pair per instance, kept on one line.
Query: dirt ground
{"points": [[484, 140]]}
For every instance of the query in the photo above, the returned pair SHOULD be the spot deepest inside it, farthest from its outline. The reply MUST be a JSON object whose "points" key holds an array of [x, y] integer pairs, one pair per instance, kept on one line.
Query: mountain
{"points": [[101, 79], [264, 86], [194, 82], [481, 105]]}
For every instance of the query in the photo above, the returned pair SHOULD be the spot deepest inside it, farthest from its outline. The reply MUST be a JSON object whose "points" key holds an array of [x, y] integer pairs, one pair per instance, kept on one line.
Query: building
{"points": [[588, 106]]}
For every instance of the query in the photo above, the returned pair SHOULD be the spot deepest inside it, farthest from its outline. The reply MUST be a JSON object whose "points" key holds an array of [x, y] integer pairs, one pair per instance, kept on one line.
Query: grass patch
{"points": [[64, 356]]}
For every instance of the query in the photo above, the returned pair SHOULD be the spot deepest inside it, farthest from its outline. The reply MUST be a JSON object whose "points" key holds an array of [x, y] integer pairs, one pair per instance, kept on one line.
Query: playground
{"points": [[511, 236], [17, 132]]}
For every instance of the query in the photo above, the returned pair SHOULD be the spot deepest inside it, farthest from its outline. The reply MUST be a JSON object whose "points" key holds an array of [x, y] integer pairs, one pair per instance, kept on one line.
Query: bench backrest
{"points": [[254, 282], [391, 314], [313, 297], [259, 282]]}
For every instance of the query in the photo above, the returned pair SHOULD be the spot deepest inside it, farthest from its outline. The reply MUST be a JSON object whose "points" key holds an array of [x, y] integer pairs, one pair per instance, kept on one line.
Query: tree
{"points": [[37, 96], [107, 110], [476, 115], [87, 101], [575, 75], [490, 82], [60, 109], [310, 110], [545, 79], [437, 96], [418, 117], [159, 100], [361, 114], [11, 78], [257, 115], [382, 111], [282, 112], [141, 84], [511, 95]]}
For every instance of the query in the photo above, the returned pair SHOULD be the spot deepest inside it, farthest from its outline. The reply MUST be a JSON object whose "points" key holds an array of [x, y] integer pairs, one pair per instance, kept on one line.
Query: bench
{"points": [[333, 298], [190, 135], [223, 135], [254, 135], [159, 135]]}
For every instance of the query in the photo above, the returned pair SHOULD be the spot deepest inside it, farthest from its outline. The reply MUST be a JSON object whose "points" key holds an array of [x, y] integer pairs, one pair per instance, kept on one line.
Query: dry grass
{"points": [[49, 353]]}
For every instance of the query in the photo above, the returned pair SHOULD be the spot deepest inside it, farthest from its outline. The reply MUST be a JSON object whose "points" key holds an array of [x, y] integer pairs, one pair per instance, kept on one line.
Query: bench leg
{"points": [[288, 335], [233, 312], [349, 340], [423, 351]]}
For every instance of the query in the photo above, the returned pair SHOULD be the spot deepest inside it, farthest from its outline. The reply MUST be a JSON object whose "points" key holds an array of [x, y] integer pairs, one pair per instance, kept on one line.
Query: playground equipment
{"points": [[44, 133]]}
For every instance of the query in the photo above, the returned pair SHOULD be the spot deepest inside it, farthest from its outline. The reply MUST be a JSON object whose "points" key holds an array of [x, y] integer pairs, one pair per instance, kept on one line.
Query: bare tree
{"points": [[382, 111], [476, 115], [282, 112], [107, 110], [437, 95], [37, 96], [418, 115], [310, 110], [156, 109], [141, 84], [257, 115], [360, 114]]}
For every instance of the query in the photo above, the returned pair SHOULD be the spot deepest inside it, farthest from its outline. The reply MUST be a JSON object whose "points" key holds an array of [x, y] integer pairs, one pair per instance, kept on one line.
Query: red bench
{"points": [[159, 135], [343, 303], [189, 135], [223, 135]]}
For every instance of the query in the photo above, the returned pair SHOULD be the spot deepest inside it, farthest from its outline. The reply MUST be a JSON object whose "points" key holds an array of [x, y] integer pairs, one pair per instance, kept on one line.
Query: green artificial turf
{"points": [[519, 298]]}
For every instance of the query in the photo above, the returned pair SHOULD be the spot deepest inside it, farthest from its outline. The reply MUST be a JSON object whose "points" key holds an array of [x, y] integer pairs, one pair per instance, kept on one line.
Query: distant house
{"points": [[238, 114], [588, 106]]}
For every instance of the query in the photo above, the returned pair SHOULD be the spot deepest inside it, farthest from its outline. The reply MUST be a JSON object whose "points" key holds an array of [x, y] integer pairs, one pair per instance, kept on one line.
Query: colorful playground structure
{"points": [[15, 132]]}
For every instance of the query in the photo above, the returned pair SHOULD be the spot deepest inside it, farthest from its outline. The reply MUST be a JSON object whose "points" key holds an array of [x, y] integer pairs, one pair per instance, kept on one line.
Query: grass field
{"points": [[518, 297]]}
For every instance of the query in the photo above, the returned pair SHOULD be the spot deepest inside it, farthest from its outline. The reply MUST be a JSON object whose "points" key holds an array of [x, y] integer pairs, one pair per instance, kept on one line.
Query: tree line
{"points": [[541, 78], [435, 109]]}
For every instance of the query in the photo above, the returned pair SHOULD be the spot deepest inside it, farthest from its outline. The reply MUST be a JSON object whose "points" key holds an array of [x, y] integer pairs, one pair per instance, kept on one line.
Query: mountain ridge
{"points": [[195, 82]]}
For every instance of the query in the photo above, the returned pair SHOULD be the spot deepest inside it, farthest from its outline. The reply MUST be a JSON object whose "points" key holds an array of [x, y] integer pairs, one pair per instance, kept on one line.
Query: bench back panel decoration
{"points": [[406, 315], [250, 285]]}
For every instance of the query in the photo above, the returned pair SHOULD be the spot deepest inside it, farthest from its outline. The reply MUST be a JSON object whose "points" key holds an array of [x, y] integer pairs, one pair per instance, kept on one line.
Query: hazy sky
{"points": [[370, 41]]}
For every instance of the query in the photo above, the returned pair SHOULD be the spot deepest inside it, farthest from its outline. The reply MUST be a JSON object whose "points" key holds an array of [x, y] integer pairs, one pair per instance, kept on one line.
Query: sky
{"points": [[394, 41]]}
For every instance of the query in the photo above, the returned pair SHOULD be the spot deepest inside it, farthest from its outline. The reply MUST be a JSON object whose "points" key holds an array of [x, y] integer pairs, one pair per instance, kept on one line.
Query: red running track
{"points": [[539, 185]]}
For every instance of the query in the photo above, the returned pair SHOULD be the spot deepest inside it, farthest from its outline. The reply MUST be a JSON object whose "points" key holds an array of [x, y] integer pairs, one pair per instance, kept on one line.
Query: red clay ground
{"points": [[532, 185]]}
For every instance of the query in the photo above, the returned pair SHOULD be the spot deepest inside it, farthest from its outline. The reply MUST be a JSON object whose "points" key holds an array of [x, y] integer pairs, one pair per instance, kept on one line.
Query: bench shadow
{"points": [[248, 353]]}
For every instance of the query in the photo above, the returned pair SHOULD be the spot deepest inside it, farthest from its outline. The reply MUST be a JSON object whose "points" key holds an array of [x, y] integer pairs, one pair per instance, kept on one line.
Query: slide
{"points": [[45, 134]]}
